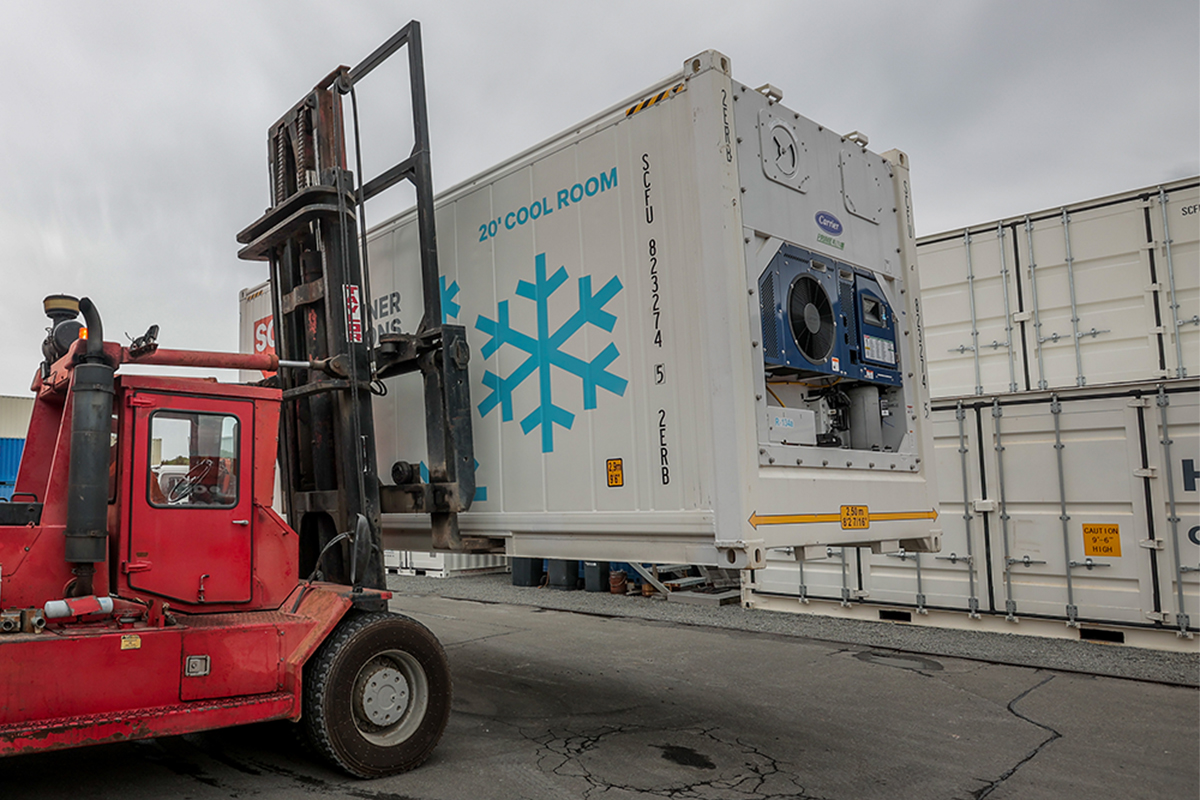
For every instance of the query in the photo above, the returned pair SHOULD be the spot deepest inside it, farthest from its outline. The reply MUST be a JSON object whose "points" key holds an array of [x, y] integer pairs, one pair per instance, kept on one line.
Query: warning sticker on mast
{"points": [[354, 320]]}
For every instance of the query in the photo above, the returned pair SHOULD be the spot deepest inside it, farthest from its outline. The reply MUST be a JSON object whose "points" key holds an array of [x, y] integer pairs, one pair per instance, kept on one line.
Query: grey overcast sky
{"points": [[134, 133]]}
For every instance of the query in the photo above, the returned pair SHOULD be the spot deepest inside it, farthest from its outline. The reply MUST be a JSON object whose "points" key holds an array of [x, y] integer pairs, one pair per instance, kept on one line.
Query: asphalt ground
{"points": [[1090, 657], [635, 700]]}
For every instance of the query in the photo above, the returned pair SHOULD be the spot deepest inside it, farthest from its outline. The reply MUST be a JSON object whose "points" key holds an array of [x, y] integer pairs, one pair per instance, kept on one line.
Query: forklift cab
{"points": [[195, 491]]}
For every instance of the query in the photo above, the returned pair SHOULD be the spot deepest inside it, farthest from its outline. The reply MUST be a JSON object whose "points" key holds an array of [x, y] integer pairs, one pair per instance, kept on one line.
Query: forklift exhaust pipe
{"points": [[91, 429]]}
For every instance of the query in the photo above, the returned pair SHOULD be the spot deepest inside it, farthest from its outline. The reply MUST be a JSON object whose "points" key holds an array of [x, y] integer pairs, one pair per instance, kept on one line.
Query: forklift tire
{"points": [[376, 695]]}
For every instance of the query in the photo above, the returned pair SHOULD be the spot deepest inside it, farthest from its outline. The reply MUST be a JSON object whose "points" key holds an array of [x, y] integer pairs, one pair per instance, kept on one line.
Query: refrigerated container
{"points": [[693, 336]]}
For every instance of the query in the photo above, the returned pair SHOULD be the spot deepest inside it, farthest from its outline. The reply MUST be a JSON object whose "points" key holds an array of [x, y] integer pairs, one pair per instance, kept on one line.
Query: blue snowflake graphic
{"points": [[544, 351], [449, 307]]}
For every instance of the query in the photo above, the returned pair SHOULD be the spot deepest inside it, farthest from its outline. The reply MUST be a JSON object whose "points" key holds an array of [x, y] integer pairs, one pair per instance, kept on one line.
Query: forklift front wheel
{"points": [[377, 695]]}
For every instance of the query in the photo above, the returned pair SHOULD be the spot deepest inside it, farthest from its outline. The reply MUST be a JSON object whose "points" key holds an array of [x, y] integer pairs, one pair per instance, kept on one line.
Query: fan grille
{"points": [[810, 314]]}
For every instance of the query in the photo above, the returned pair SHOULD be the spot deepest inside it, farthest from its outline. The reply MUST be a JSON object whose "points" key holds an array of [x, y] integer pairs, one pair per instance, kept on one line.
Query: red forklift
{"points": [[147, 586]]}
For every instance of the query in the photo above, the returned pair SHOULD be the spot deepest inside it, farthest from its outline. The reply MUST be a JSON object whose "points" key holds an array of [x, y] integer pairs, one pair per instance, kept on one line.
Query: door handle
{"points": [[241, 522]]}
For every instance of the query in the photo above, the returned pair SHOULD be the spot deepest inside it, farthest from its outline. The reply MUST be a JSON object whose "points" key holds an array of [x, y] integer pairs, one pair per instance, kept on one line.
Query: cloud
{"points": [[135, 132]]}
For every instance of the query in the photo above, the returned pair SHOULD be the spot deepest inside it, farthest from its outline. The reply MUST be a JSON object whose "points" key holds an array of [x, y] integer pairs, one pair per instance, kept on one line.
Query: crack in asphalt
{"points": [[162, 752], [559, 752], [984, 791]]}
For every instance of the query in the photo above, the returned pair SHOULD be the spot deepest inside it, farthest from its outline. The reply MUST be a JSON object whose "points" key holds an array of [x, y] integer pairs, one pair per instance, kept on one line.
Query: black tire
{"points": [[376, 695]]}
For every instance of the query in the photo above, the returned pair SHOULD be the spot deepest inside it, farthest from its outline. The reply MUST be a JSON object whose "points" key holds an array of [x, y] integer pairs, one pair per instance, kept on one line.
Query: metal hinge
{"points": [[981, 505], [1146, 472], [1153, 544], [135, 566], [139, 400]]}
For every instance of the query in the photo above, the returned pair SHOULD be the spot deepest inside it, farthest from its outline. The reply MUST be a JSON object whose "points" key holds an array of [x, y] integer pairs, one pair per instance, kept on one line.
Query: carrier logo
{"points": [[829, 223]]}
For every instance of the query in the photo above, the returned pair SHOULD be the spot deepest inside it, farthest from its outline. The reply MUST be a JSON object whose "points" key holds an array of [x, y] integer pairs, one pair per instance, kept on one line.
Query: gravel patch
{"points": [[1117, 661]]}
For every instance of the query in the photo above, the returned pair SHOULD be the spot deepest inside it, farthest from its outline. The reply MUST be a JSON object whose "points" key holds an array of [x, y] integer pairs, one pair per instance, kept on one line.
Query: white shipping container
{"points": [[14, 416], [645, 296], [1118, 557], [256, 331], [734, 366], [1102, 291], [442, 564]]}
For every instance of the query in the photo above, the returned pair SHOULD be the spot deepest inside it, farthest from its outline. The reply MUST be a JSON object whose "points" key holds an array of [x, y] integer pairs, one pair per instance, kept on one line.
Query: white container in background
{"points": [[14, 416], [256, 329], [1007, 552], [1006, 310]]}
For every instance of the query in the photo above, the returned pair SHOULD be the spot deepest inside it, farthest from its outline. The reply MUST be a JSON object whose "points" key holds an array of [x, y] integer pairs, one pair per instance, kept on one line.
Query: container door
{"points": [[1180, 580], [1090, 566], [1174, 255], [190, 536], [1089, 320], [969, 296], [953, 578]]}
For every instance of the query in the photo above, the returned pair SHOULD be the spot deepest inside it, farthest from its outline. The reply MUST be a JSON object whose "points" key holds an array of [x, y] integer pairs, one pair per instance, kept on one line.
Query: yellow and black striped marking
{"points": [[649, 101]]}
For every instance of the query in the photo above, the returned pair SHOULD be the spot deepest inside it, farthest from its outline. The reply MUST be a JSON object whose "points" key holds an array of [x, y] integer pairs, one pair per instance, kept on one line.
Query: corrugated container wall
{"points": [[1093, 293], [692, 331]]}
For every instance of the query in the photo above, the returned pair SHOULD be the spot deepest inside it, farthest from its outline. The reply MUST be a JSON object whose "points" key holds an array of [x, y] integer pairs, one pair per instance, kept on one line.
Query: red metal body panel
{"points": [[40, 444], [131, 683], [190, 554], [57, 674], [241, 660], [249, 566]]}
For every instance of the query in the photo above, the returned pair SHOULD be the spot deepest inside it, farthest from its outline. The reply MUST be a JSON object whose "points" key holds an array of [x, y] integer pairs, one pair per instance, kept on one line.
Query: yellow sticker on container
{"points": [[131, 641], [1102, 540], [616, 472], [855, 518]]}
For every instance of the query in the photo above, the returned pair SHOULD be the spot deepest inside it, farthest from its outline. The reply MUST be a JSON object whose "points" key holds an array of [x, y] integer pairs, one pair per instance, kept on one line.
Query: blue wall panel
{"points": [[10, 463]]}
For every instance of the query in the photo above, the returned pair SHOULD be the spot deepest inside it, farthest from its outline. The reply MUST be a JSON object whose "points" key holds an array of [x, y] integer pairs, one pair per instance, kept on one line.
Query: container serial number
{"points": [[655, 297], [663, 452]]}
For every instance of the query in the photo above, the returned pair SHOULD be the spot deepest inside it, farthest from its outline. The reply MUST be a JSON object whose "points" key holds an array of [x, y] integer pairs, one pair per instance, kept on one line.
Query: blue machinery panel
{"points": [[823, 317]]}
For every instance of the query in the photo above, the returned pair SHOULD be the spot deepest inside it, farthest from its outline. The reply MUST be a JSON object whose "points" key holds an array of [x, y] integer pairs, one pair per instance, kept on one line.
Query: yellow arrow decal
{"points": [[849, 516]]}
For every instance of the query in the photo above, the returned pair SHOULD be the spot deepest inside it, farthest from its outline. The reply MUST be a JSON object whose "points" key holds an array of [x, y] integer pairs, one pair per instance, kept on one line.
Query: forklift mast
{"points": [[149, 586], [330, 365]]}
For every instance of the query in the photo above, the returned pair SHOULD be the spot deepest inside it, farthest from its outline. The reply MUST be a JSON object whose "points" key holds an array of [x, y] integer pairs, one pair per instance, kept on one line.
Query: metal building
{"points": [[14, 424]]}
